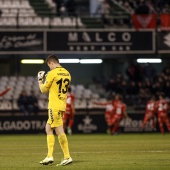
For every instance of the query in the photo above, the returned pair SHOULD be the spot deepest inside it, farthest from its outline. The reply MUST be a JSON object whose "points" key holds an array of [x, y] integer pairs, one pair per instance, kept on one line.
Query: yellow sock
{"points": [[50, 145], [64, 145]]}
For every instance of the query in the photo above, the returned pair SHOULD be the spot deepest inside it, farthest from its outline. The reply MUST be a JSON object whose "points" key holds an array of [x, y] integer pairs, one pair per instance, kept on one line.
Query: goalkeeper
{"points": [[57, 83]]}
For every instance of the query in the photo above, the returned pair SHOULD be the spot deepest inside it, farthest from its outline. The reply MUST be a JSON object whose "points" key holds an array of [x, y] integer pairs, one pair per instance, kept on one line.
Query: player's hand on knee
{"points": [[41, 75]]}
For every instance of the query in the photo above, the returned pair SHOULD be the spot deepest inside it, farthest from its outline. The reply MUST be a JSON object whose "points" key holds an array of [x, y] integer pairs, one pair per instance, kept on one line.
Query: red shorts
{"points": [[116, 119], [162, 116], [68, 116], [148, 116]]}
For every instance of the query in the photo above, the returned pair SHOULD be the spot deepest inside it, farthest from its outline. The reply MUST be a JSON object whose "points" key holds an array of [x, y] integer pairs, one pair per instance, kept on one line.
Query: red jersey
{"points": [[119, 108], [70, 100], [115, 102], [162, 107], [109, 109], [151, 107]]}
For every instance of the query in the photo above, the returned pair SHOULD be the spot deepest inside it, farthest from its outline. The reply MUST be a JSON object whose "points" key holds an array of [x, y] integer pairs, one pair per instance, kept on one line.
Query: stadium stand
{"points": [[136, 91], [43, 13], [26, 14], [84, 96]]}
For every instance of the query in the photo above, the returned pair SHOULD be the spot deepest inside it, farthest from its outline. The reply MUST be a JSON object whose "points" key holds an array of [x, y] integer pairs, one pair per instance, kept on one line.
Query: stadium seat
{"points": [[12, 78], [15, 105], [4, 78], [3, 84], [79, 87], [95, 96], [5, 105], [73, 88], [42, 103], [51, 3], [87, 93]]}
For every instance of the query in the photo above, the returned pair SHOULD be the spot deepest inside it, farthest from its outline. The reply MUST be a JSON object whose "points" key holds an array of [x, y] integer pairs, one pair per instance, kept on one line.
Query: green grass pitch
{"points": [[89, 152]]}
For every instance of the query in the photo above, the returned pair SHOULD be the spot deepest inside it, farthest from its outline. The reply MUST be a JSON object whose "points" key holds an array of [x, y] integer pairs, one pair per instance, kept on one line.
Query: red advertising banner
{"points": [[144, 21], [165, 21]]}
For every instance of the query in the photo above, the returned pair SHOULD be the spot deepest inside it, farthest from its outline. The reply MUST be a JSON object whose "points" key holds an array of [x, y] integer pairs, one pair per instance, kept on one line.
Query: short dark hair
{"points": [[153, 97], [161, 94], [52, 58]]}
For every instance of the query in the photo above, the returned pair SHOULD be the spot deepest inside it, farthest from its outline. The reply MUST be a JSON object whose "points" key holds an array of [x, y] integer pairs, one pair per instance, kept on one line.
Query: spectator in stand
{"points": [[132, 4], [32, 103], [139, 73], [130, 71], [149, 71], [27, 104], [71, 7], [133, 92], [138, 88], [162, 107], [157, 88], [150, 4], [166, 71], [103, 10], [167, 89], [166, 9], [23, 103], [142, 8], [58, 6], [129, 6], [144, 94], [122, 88], [148, 86], [111, 85]]}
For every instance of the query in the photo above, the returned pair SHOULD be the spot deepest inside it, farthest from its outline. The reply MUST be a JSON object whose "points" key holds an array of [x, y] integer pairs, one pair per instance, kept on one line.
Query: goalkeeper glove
{"points": [[40, 75]]}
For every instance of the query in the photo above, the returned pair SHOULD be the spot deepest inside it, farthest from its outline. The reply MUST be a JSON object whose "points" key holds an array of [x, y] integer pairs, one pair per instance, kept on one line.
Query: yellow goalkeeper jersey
{"points": [[57, 83]]}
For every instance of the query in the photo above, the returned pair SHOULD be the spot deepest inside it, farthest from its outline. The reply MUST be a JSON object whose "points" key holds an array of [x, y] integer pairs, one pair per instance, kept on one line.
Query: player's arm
{"points": [[125, 113], [5, 91], [102, 103], [44, 87], [113, 111]]}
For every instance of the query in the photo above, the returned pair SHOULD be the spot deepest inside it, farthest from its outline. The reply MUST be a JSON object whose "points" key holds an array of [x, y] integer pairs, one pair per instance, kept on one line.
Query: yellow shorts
{"points": [[55, 118]]}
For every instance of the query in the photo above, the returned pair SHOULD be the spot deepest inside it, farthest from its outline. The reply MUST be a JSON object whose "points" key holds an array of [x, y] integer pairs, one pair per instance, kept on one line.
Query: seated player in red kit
{"points": [[68, 117]]}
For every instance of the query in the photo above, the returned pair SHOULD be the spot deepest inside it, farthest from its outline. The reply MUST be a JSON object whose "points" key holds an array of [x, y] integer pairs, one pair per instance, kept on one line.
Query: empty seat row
{"points": [[30, 20], [29, 84], [18, 13], [14, 4]]}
